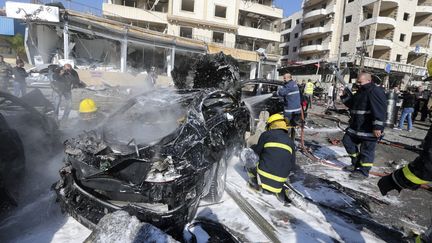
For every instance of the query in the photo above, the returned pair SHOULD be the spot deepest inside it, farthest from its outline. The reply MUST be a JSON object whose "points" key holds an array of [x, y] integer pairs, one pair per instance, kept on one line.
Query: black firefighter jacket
{"points": [[277, 158], [368, 110], [419, 171]]}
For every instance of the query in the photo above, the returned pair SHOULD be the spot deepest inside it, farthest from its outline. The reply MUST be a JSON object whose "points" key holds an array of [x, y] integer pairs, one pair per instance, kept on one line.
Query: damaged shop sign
{"points": [[155, 157]]}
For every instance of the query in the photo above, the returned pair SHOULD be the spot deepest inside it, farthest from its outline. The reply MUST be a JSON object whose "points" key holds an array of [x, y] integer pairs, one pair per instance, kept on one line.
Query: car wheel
{"points": [[217, 187]]}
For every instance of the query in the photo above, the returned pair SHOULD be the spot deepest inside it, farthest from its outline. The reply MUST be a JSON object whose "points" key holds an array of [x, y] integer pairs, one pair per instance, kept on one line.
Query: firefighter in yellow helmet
{"points": [[276, 157], [89, 115]]}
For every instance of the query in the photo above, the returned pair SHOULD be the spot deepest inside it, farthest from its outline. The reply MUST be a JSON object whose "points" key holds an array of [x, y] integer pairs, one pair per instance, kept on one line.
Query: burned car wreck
{"points": [[155, 157]]}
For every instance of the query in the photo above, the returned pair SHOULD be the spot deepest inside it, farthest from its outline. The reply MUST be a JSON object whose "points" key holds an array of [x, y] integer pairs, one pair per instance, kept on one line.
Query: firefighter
{"points": [[276, 153], [5, 74], [89, 115], [292, 106], [412, 176], [368, 112], [308, 92]]}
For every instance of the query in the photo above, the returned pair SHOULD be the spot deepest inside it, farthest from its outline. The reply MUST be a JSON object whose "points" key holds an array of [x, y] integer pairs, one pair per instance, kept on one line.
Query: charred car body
{"points": [[155, 157], [26, 131]]}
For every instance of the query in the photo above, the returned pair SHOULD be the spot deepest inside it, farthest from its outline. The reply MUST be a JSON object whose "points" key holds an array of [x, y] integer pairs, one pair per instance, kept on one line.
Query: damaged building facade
{"points": [[161, 35], [384, 36], [235, 27]]}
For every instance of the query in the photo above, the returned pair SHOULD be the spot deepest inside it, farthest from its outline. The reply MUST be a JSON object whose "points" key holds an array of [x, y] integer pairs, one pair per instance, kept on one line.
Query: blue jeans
{"points": [[20, 89], [406, 112]]}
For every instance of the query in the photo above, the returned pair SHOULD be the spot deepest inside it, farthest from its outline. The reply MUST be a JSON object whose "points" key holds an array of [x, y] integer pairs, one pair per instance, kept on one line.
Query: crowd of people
{"points": [[411, 102]]}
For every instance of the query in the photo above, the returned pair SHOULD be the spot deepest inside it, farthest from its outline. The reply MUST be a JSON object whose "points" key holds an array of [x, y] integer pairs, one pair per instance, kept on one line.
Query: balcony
{"points": [[313, 49], [379, 44], [386, 22], [283, 44], [261, 9], [422, 29], [114, 10], [426, 8], [259, 33], [317, 14], [315, 31], [421, 50]]}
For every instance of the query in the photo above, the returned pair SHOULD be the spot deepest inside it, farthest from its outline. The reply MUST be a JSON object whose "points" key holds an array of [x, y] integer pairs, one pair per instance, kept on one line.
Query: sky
{"points": [[94, 6]]}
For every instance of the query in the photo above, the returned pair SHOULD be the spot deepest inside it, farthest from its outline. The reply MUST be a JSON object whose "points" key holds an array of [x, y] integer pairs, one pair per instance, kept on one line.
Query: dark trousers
{"points": [[361, 151]]}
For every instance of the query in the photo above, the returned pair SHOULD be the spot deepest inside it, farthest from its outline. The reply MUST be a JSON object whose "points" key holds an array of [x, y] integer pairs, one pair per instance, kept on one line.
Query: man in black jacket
{"points": [[412, 176], [20, 74], [65, 78], [368, 112]]}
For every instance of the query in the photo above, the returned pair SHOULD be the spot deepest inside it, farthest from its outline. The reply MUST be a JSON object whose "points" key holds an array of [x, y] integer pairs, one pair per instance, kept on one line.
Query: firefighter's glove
{"points": [[386, 184], [249, 158]]}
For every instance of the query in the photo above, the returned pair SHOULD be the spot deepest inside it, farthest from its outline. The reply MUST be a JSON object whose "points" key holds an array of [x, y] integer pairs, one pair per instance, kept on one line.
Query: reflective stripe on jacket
{"points": [[291, 94], [419, 171], [277, 158], [368, 109]]}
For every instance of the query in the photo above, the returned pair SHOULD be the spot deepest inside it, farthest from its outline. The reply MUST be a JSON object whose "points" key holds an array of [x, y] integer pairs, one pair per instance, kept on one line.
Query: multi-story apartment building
{"points": [[385, 31], [237, 24]]}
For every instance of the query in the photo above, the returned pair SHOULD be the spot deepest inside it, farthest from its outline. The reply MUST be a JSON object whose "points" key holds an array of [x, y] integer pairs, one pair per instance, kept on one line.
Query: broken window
{"points": [[218, 37], [188, 5], [186, 32], [220, 11]]}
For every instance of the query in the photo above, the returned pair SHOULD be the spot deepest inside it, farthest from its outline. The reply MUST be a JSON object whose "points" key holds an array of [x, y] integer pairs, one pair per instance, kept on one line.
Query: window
{"points": [[406, 16], [344, 54], [348, 19], [218, 37], [350, 1], [345, 37], [285, 51], [297, 21], [309, 43], [369, 15], [398, 57], [402, 37], [324, 5], [322, 23], [295, 49], [129, 3], [288, 24], [188, 5], [220, 11], [319, 41], [296, 35], [287, 37], [186, 32]]}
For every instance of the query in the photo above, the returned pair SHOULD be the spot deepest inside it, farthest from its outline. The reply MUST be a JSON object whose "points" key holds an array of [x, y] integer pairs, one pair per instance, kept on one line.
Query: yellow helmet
{"points": [[87, 106], [277, 121]]}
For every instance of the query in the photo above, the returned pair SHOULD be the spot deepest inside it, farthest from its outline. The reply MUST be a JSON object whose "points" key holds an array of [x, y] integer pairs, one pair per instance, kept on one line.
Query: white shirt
{"points": [[330, 91]]}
